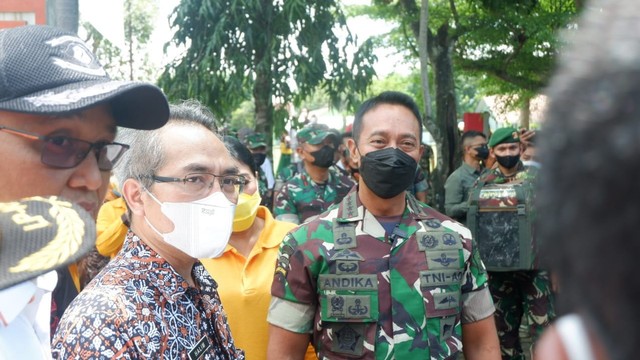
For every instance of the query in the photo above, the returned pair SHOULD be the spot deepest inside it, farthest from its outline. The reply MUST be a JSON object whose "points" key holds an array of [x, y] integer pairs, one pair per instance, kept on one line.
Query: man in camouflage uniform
{"points": [[381, 275], [315, 187], [258, 146], [523, 292]]}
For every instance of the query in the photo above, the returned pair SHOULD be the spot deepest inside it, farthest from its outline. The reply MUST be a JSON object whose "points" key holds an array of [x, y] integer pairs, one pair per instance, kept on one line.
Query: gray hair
{"points": [[146, 154]]}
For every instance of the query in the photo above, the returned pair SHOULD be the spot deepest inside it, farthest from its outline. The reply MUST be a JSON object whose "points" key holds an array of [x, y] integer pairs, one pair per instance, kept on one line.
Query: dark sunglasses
{"points": [[64, 152]]}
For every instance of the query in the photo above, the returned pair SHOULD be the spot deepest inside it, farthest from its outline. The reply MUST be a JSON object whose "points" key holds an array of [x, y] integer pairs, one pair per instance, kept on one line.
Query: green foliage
{"points": [[131, 63], [285, 50], [109, 54], [514, 43], [242, 116], [508, 46]]}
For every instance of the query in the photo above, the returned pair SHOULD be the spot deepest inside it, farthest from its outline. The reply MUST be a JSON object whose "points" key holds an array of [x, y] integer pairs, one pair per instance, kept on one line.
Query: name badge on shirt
{"points": [[201, 347]]}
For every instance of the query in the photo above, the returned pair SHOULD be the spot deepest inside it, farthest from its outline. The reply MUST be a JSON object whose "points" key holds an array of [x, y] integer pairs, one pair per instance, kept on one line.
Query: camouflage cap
{"points": [[255, 140], [504, 135], [314, 134]]}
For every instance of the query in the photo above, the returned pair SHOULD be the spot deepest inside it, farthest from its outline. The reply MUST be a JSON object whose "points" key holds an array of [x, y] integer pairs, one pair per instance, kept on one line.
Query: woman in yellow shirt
{"points": [[245, 270]]}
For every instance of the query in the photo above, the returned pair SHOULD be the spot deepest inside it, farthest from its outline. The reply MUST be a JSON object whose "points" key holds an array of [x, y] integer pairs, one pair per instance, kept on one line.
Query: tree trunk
{"points": [[446, 135], [64, 14], [525, 114], [262, 87], [264, 105], [423, 44], [129, 36]]}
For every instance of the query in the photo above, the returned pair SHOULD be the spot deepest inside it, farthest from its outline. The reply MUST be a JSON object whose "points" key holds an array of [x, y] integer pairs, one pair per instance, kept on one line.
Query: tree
{"points": [[132, 62], [64, 14], [510, 43], [265, 50]]}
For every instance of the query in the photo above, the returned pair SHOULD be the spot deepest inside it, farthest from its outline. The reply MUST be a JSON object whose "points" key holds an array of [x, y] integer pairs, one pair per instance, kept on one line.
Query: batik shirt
{"points": [[374, 295], [301, 198], [140, 307]]}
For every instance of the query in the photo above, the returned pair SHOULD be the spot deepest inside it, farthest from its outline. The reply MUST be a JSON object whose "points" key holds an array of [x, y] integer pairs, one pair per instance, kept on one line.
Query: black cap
{"points": [[45, 70], [40, 234]]}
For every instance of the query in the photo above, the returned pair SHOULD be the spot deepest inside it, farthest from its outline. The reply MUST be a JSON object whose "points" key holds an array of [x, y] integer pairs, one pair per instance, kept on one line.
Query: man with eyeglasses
{"points": [[59, 112], [155, 300]]}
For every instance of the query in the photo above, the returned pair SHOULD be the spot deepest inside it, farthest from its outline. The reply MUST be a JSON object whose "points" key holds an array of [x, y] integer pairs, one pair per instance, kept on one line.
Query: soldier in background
{"points": [[311, 191], [346, 161], [258, 146], [521, 292], [382, 276], [456, 188]]}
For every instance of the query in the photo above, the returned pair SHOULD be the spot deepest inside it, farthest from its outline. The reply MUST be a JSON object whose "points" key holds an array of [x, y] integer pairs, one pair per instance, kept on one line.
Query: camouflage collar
{"points": [[307, 180], [352, 210]]}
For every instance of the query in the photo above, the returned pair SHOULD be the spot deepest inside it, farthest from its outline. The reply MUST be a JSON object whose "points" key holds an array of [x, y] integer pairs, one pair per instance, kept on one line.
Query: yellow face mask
{"points": [[246, 211]]}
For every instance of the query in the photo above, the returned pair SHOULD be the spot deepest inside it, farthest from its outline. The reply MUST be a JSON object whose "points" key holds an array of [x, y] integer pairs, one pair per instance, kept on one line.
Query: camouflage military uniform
{"points": [[519, 293], [285, 174], [265, 194], [369, 295], [302, 197]]}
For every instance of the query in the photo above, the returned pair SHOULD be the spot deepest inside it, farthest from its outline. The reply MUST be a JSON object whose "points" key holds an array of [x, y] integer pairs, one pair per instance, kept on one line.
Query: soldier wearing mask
{"points": [[507, 243], [381, 275], [475, 151], [315, 187], [258, 146]]}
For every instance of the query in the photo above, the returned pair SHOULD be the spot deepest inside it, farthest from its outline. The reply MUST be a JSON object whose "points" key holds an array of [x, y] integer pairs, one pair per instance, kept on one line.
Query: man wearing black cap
{"points": [[59, 111]]}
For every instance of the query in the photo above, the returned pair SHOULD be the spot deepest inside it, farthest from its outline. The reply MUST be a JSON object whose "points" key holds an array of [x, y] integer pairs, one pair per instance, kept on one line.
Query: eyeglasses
{"points": [[64, 152], [200, 184]]}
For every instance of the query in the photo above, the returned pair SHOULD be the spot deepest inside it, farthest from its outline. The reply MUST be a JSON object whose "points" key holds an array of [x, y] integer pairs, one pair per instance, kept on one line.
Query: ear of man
{"points": [[132, 193], [355, 155]]}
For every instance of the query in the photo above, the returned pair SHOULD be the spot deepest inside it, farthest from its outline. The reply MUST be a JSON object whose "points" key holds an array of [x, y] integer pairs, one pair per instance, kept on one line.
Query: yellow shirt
{"points": [[109, 227], [244, 286]]}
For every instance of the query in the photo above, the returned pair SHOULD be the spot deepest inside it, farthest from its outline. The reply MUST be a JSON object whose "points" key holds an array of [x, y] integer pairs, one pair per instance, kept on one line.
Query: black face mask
{"points": [[482, 151], [323, 157], [388, 172], [259, 158], [508, 162]]}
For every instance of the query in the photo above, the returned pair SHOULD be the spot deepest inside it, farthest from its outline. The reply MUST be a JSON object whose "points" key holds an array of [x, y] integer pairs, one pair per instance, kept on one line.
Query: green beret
{"points": [[504, 135]]}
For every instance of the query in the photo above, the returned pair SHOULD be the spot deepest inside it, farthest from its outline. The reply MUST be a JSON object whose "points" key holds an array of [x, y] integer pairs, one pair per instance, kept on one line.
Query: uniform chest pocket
{"points": [[349, 314]]}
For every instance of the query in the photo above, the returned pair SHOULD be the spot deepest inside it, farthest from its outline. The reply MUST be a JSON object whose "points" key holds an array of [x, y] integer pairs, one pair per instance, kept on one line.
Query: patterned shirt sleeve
{"points": [[102, 334], [292, 280], [475, 273]]}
